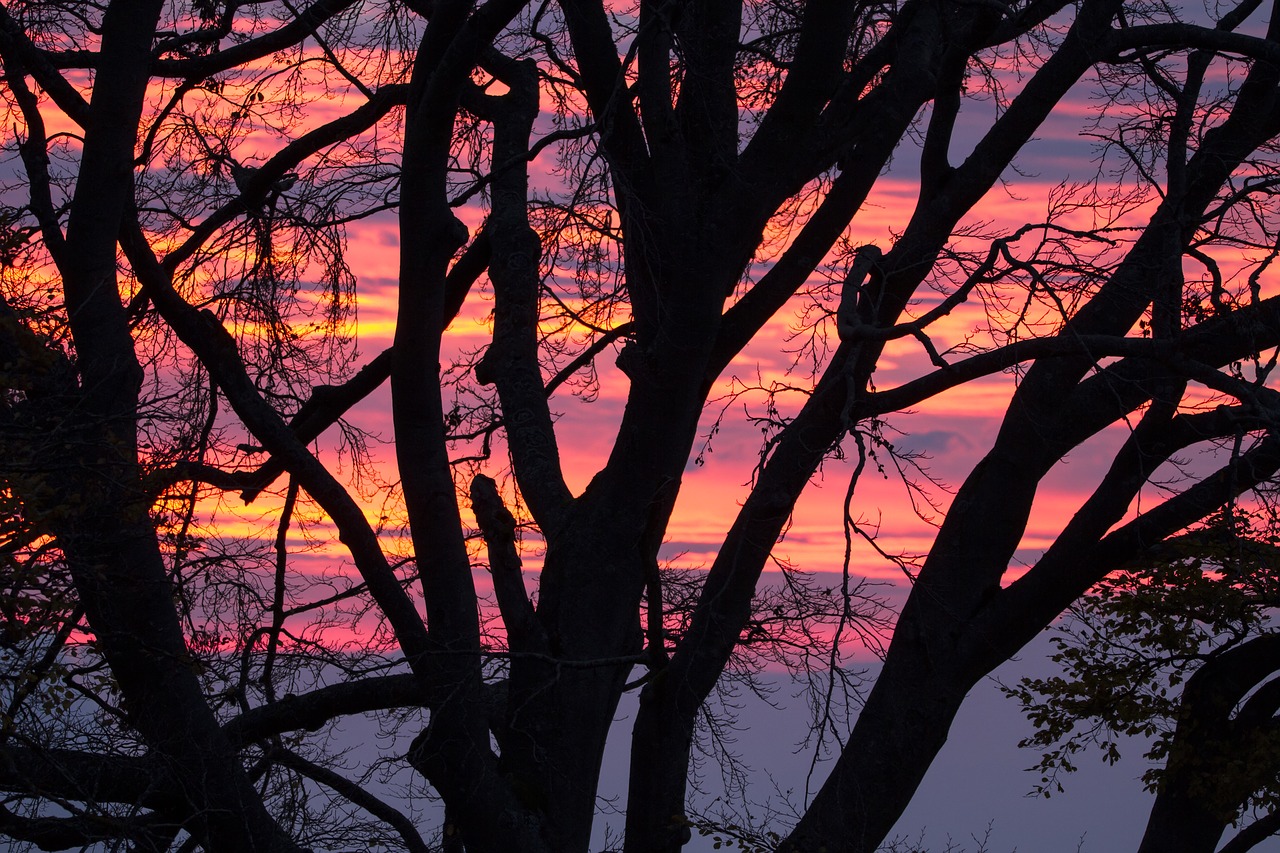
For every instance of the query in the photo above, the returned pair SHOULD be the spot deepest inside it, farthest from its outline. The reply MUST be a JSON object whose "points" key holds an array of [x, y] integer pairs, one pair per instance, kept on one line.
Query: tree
{"points": [[1182, 650], [177, 328]]}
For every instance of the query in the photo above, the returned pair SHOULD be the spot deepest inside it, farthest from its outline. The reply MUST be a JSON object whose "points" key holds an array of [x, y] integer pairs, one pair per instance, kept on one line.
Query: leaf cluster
{"points": [[1128, 648]]}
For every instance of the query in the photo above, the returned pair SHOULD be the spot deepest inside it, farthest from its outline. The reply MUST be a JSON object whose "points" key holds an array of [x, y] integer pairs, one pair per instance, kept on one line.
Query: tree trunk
{"points": [[561, 705], [895, 740], [1180, 823], [115, 560]]}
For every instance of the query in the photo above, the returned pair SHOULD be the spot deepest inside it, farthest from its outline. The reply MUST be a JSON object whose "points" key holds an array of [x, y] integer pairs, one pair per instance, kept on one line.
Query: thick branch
{"points": [[455, 751], [498, 527], [35, 155], [326, 405], [1047, 590], [37, 63], [707, 107], [311, 710], [329, 403], [1215, 342], [64, 833], [1182, 36], [605, 82], [787, 132], [239, 55], [749, 314], [512, 361], [1253, 834], [87, 777], [654, 84]]}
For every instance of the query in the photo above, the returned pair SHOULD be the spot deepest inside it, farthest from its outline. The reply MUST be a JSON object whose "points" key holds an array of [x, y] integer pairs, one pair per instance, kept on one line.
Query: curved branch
{"points": [[1190, 36], [344, 787], [259, 184], [604, 81], [511, 362], [811, 83], [37, 63], [88, 777], [750, 313], [64, 833], [257, 48], [1253, 834], [216, 349], [311, 710], [1054, 583], [498, 526]]}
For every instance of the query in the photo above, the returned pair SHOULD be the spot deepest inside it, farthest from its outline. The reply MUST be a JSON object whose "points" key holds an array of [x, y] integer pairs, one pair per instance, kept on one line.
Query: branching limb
{"points": [[604, 81], [750, 313], [36, 62], [498, 527], [355, 793], [88, 777], [259, 185], [304, 24], [1214, 342], [1253, 834], [64, 833], [35, 156], [1065, 572], [512, 362], [215, 347]]}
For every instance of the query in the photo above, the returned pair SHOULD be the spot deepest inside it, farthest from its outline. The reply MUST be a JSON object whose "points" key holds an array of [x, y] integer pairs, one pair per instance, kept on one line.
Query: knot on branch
{"points": [[498, 527], [632, 361], [486, 374], [457, 234], [497, 524], [866, 263]]}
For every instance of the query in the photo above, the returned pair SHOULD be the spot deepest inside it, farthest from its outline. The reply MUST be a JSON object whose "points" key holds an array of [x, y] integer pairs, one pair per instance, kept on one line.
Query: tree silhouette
{"points": [[1180, 649], [657, 182]]}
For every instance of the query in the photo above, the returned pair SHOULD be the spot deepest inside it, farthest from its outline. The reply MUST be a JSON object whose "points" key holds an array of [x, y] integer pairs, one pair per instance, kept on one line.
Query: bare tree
{"points": [[177, 329]]}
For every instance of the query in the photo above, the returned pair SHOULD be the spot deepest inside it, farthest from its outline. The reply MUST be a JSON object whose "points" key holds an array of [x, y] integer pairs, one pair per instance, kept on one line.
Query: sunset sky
{"points": [[952, 430]]}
